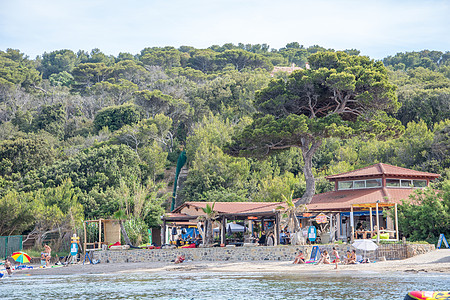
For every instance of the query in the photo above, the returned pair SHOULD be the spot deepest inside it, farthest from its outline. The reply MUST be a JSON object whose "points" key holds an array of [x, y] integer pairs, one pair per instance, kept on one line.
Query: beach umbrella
{"points": [[21, 257], [233, 227], [230, 231], [366, 245]]}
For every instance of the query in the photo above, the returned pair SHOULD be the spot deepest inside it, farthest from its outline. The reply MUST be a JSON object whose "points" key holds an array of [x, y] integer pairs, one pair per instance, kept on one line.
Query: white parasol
{"points": [[366, 245]]}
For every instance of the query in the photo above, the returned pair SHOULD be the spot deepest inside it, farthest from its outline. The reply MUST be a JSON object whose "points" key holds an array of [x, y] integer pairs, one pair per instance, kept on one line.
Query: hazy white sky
{"points": [[376, 27]]}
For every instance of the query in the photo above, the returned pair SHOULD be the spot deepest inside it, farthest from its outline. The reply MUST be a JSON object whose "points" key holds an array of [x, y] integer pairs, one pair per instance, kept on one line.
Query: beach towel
{"points": [[115, 244]]}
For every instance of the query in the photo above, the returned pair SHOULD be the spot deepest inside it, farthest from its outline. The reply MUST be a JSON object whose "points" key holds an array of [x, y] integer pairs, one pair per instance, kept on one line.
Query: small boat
{"points": [[428, 295]]}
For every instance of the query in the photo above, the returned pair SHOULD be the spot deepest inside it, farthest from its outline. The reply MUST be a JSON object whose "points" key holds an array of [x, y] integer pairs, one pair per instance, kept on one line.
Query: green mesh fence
{"points": [[10, 244]]}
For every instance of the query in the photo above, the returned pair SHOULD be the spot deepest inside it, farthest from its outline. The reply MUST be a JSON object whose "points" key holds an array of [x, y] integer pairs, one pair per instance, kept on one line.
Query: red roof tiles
{"points": [[233, 207], [342, 200], [380, 169]]}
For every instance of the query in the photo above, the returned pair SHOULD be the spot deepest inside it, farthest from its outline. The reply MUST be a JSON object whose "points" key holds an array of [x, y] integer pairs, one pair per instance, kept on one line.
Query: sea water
{"points": [[213, 285]]}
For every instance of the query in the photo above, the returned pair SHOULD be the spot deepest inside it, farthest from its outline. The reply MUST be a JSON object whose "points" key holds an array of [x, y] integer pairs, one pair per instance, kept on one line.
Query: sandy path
{"points": [[434, 262]]}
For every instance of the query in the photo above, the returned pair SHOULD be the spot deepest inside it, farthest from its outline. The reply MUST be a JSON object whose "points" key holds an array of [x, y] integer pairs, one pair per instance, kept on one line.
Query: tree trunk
{"points": [[200, 231], [308, 153], [208, 232], [124, 233]]}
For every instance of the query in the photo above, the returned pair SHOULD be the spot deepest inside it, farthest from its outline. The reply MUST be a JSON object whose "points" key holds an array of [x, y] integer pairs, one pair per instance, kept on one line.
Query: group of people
{"points": [[264, 239], [362, 233], [325, 258], [188, 240], [46, 255]]}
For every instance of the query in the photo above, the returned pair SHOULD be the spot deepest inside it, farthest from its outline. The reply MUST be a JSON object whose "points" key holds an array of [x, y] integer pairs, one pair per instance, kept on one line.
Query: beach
{"points": [[437, 261]]}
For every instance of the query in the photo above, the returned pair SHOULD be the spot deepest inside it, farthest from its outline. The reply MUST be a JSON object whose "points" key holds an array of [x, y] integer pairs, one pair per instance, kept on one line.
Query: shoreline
{"points": [[437, 261]]}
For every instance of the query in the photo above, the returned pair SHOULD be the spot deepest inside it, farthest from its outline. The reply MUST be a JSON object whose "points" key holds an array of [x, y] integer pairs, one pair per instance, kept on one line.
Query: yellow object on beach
{"points": [[383, 236]]}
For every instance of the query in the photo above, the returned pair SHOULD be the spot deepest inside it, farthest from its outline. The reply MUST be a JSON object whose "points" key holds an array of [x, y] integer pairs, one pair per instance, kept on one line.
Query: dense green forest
{"points": [[84, 135]]}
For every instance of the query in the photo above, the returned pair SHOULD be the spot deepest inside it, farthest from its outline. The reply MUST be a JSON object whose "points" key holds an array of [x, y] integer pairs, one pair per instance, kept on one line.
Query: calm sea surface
{"points": [[209, 285]]}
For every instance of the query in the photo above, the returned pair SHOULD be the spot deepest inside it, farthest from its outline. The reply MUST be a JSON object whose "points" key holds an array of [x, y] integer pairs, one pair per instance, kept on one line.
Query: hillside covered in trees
{"points": [[84, 135]]}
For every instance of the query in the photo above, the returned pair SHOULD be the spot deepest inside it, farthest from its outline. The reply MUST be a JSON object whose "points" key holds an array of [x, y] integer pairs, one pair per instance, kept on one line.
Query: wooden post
{"points": [[99, 233], [378, 225], [352, 223], [338, 225], [223, 230], [277, 229], [85, 238], [396, 223], [371, 221], [331, 228], [163, 232]]}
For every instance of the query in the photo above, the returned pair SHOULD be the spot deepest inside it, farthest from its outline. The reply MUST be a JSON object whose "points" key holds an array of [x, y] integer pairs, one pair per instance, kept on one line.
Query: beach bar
{"points": [[357, 208], [364, 196], [252, 215]]}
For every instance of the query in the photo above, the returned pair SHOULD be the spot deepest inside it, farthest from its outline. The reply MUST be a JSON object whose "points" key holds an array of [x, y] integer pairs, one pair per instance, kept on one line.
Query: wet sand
{"points": [[437, 261]]}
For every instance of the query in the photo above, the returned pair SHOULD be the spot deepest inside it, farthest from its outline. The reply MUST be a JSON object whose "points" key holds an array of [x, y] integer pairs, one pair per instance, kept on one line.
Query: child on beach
{"points": [[335, 253], [180, 259], [8, 266]]}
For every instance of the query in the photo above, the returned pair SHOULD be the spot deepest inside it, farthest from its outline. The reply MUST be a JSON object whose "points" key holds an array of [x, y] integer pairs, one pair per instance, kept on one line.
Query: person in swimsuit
{"points": [[353, 258], [180, 259], [43, 256], [8, 267], [300, 258], [325, 258], [335, 253], [47, 255]]}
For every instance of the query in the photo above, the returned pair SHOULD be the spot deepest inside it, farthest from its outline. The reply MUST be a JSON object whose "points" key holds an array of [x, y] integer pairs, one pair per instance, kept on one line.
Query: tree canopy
{"points": [[107, 130], [341, 95]]}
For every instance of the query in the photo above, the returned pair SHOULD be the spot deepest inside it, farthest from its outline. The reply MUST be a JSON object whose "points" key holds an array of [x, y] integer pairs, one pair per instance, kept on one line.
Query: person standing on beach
{"points": [[8, 266], [337, 259], [262, 239], [47, 255], [271, 239]]}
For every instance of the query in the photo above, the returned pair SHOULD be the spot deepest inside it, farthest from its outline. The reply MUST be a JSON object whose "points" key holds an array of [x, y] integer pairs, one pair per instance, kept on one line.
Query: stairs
{"points": [[179, 199]]}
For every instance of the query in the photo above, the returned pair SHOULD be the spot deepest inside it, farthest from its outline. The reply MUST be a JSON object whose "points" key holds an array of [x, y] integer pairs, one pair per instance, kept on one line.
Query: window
{"points": [[345, 185], [359, 184], [393, 182], [419, 183], [406, 183], [373, 183]]}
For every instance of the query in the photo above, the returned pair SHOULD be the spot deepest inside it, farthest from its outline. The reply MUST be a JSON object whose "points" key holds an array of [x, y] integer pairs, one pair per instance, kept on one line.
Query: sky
{"points": [[378, 28]]}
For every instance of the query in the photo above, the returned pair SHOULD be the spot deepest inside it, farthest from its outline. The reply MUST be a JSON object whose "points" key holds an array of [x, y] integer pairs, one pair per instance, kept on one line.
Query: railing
{"points": [[10, 244], [392, 251]]}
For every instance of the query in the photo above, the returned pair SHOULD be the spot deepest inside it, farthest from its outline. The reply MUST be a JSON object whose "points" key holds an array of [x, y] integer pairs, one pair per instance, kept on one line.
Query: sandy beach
{"points": [[437, 261]]}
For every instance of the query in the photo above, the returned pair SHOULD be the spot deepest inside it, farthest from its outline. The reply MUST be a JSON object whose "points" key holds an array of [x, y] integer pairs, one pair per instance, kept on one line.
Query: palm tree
{"points": [[120, 215], [208, 218], [289, 217]]}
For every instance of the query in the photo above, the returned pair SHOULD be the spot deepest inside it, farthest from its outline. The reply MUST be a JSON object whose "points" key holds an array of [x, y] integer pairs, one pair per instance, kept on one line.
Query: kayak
{"points": [[427, 295]]}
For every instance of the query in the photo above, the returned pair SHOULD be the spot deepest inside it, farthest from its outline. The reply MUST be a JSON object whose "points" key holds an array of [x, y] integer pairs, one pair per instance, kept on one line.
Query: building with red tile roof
{"points": [[229, 208], [360, 196], [380, 183], [360, 191]]}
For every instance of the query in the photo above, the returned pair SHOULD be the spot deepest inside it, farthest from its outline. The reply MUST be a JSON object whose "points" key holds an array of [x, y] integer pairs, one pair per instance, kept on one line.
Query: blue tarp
{"points": [[192, 232], [362, 213]]}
